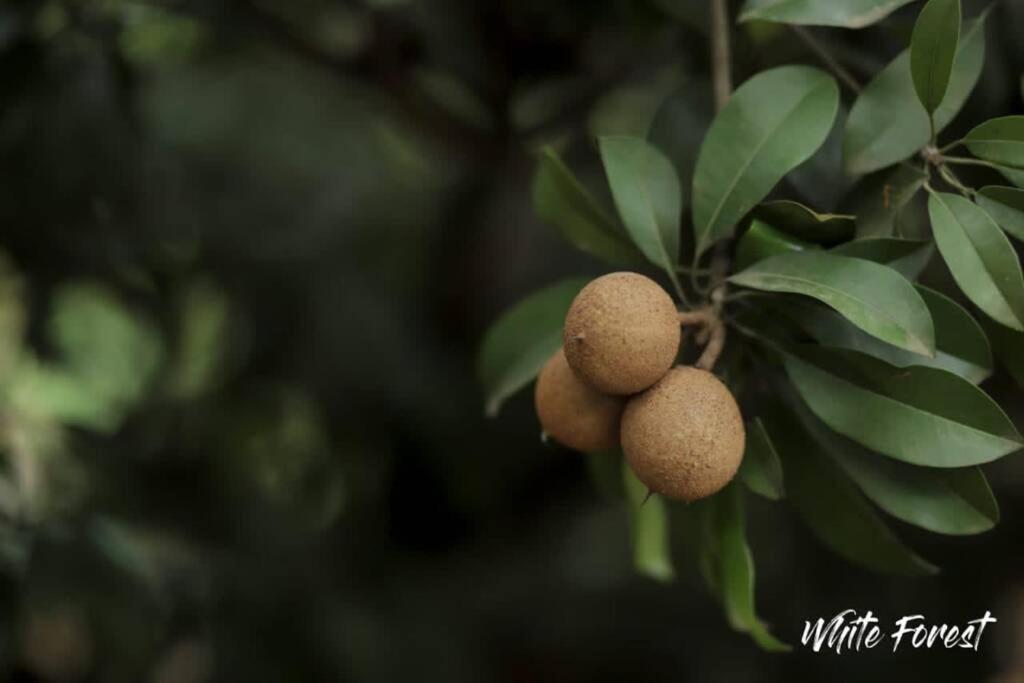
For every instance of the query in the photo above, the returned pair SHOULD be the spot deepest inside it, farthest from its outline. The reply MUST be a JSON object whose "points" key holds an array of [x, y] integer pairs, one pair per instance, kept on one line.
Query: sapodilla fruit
{"points": [[684, 437], [572, 412], [622, 333]]}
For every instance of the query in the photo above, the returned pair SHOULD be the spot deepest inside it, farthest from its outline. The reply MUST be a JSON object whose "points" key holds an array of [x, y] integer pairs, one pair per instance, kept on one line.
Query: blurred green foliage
{"points": [[249, 249]]}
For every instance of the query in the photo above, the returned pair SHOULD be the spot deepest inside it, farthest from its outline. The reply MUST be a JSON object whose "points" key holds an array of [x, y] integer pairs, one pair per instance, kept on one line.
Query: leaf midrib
{"points": [[750, 160], [988, 273], [917, 411], [845, 295]]}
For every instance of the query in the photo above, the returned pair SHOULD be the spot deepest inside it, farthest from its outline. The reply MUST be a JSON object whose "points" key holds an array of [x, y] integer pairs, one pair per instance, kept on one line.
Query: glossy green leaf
{"points": [[806, 223], [920, 415], [835, 510], [522, 340], [932, 49], [761, 469], [1006, 206], [879, 201], [887, 123], [873, 297], [761, 241], [771, 124], [648, 519], [907, 257], [844, 13], [945, 501], [561, 200], [647, 195], [736, 582], [1011, 173], [961, 345], [998, 140], [980, 257]]}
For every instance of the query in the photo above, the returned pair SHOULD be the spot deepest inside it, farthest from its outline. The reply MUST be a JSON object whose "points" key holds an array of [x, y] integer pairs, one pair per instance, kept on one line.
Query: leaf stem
{"points": [[947, 174], [680, 292], [964, 161], [826, 57], [952, 145]]}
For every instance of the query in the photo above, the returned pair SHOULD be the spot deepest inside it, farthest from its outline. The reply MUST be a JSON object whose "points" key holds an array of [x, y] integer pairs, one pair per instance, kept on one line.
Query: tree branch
{"points": [[721, 53], [721, 79], [826, 57]]}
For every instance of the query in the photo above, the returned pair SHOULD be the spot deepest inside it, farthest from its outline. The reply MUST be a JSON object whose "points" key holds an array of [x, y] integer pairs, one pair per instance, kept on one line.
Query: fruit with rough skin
{"points": [[572, 412], [622, 333], [684, 437]]}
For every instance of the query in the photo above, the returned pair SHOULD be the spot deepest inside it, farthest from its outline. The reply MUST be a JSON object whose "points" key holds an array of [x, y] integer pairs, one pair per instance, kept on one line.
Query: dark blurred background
{"points": [[249, 250]]}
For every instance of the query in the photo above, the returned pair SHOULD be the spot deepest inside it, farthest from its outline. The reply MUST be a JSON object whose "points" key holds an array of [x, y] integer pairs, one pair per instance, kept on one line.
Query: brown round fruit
{"points": [[684, 437], [573, 413], [622, 333]]}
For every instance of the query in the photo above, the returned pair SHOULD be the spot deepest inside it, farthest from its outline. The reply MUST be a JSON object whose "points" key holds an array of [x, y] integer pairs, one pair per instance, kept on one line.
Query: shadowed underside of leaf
{"points": [[843, 13], [560, 200], [945, 501], [834, 509]]}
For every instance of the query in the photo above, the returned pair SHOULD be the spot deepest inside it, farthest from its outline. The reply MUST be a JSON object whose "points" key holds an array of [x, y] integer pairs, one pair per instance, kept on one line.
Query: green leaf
{"points": [[932, 49], [961, 345], [835, 510], [920, 415], [13, 318], [873, 297], [761, 469], [946, 501], [771, 124], [1014, 175], [560, 200], [648, 518], [522, 340], [761, 241], [1008, 345], [998, 140], [980, 257], [203, 319], [844, 13], [52, 393], [115, 352], [879, 202], [647, 195], [805, 223], [1006, 206], [736, 582], [887, 123], [907, 257], [680, 124]]}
